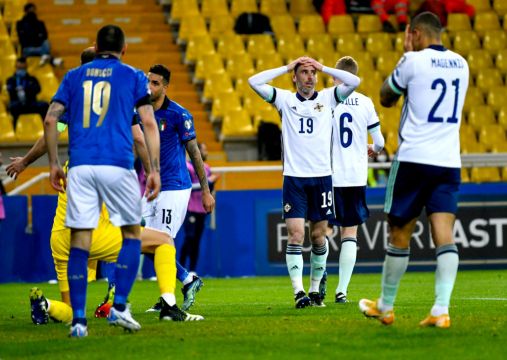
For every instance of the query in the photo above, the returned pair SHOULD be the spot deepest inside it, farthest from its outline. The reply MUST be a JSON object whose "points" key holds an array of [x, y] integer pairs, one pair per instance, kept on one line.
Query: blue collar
{"points": [[437, 47], [300, 98]]}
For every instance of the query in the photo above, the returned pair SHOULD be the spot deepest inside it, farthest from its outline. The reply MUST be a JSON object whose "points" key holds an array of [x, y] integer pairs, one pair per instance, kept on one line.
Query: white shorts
{"points": [[90, 185], [167, 212]]}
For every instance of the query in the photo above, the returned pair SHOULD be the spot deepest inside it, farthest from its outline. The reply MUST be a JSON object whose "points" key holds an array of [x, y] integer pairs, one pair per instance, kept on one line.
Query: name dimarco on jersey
{"points": [[94, 72], [447, 63]]}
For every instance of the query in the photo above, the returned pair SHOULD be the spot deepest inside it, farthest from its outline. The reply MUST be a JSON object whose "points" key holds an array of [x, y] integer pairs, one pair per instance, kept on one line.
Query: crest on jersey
{"points": [[287, 207], [318, 107], [163, 124], [187, 124]]}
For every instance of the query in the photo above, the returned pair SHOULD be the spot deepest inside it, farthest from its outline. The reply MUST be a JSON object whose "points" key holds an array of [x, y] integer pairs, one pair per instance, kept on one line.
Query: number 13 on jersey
{"points": [[96, 98]]}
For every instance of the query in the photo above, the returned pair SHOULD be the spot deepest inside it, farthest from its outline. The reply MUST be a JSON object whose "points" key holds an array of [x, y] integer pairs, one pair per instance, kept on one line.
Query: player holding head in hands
{"points": [[354, 118], [100, 97], [426, 169], [307, 186]]}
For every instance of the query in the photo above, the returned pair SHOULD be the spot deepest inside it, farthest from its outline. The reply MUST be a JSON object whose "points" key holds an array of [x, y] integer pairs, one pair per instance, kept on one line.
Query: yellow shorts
{"points": [[106, 244]]}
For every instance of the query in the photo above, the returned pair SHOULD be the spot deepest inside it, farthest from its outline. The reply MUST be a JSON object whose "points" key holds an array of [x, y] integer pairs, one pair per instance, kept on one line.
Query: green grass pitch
{"points": [[255, 318]]}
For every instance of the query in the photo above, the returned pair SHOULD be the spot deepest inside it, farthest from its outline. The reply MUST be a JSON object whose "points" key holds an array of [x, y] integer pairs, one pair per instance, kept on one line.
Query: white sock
{"points": [[346, 263], [318, 258], [445, 276], [188, 279], [395, 265], [169, 298], [294, 259]]}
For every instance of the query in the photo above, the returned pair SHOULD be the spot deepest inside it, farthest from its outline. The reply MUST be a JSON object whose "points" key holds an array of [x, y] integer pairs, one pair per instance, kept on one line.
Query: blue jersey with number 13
{"points": [[99, 97]]}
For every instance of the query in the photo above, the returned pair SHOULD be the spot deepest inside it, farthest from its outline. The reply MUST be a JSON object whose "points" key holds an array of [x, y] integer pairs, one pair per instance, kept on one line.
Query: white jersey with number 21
{"points": [[435, 82]]}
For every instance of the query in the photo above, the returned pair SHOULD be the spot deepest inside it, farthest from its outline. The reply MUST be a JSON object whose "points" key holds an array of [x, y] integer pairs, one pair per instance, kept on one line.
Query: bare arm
{"points": [[141, 149], [208, 202], [388, 97], [152, 138], [56, 174], [19, 164]]}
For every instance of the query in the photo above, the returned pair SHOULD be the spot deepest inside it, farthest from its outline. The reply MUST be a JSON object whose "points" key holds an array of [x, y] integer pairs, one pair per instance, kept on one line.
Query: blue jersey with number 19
{"points": [[435, 82], [99, 97]]}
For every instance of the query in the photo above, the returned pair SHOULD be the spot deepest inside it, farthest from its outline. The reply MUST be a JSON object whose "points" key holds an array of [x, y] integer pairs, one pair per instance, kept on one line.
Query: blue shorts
{"points": [[350, 206], [308, 198], [413, 186]]}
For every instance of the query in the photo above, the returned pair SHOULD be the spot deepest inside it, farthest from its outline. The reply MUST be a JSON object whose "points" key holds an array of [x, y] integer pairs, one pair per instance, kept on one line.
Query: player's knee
{"points": [[131, 231]]}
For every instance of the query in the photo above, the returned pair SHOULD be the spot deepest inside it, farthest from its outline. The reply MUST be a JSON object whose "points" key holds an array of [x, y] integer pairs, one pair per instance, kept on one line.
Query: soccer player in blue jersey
{"points": [[99, 97], [167, 212]]}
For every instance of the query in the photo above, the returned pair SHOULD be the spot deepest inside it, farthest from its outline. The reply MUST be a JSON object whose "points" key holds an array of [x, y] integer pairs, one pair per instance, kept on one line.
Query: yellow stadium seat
{"points": [[253, 104], [378, 42], [487, 79], [13, 11], [283, 82], [368, 24], [183, 8], [494, 41], [364, 60], [49, 86], [501, 61], [472, 147], [215, 83], [290, 47], [467, 133], [348, 43], [311, 25], [391, 142], [499, 148], [29, 127], [6, 130], [237, 124], [241, 6], [283, 25], [497, 97], [317, 45], [481, 116], [370, 82], [268, 115], [486, 21], [504, 173], [229, 45], [242, 88], [479, 59], [458, 22], [340, 24], [328, 58], [502, 116], [190, 27], [490, 135], [480, 5], [465, 41], [211, 8], [485, 174], [386, 62], [221, 25], [207, 65], [268, 61], [301, 7], [500, 7], [224, 102], [259, 45], [446, 40], [240, 65], [474, 98], [465, 175], [273, 7], [197, 47]]}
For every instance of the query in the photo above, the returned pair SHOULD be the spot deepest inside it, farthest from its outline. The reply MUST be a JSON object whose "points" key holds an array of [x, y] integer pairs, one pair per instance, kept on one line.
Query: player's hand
{"points": [[293, 64], [57, 178], [371, 153], [407, 43], [208, 202], [312, 62], [152, 186], [16, 167]]}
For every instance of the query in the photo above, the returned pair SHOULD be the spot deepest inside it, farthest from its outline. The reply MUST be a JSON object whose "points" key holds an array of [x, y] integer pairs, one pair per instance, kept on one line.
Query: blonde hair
{"points": [[347, 63]]}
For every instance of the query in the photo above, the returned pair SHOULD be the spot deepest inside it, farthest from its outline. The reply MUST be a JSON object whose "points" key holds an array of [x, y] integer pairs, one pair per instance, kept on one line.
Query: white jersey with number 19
{"points": [[435, 82], [306, 131]]}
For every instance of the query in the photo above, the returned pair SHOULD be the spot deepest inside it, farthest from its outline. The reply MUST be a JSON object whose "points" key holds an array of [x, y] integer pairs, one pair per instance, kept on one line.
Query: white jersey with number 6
{"points": [[435, 82], [306, 131], [352, 120]]}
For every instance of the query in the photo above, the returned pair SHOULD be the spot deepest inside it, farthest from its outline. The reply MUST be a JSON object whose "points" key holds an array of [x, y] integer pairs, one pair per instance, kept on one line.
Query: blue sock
{"points": [[126, 271], [77, 273], [108, 270], [181, 272]]}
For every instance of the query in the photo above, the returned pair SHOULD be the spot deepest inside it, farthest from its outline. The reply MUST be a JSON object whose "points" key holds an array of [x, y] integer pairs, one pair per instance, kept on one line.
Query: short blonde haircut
{"points": [[347, 63]]}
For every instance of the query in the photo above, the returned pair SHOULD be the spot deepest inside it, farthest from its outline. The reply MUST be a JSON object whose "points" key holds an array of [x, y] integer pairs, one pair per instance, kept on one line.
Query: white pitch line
{"points": [[487, 299]]}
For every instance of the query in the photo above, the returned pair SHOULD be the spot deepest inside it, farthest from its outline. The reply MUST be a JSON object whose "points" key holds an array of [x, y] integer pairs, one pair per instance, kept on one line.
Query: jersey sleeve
{"points": [[185, 126], [279, 97], [63, 94], [373, 120], [141, 91], [400, 77]]}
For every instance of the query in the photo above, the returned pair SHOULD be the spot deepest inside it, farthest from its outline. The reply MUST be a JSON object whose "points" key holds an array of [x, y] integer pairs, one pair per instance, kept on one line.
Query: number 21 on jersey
{"points": [[96, 98]]}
